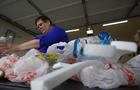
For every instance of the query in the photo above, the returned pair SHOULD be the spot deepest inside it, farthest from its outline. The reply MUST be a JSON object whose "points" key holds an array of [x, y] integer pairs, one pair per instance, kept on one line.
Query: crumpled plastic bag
{"points": [[134, 62], [106, 76], [58, 49], [134, 65], [63, 50], [26, 68], [7, 62]]}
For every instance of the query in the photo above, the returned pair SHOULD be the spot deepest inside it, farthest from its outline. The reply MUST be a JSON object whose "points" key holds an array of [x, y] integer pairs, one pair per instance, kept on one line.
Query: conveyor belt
{"points": [[7, 85], [74, 85], [67, 85]]}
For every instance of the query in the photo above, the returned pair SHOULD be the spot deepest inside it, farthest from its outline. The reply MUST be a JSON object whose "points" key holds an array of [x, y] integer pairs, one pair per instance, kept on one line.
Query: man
{"points": [[51, 34]]}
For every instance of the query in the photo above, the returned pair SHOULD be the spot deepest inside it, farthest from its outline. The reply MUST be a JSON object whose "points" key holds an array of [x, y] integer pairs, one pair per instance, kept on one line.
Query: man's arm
{"points": [[19, 47]]}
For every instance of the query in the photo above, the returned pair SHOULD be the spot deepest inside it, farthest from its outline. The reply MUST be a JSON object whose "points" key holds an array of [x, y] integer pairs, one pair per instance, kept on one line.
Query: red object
{"points": [[76, 78], [129, 74]]}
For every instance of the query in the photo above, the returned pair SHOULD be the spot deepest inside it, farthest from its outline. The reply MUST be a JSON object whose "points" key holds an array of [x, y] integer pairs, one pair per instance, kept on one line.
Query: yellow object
{"points": [[41, 56], [52, 56]]}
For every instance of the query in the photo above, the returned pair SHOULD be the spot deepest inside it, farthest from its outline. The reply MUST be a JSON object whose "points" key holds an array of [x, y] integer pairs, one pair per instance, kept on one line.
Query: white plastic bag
{"points": [[27, 68], [102, 76], [134, 62], [134, 65], [63, 54], [7, 62]]}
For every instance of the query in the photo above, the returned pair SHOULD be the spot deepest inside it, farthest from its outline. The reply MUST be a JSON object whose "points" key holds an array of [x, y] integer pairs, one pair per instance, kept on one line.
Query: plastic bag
{"points": [[106, 76], [58, 49], [134, 62], [102, 35], [7, 62], [26, 68], [134, 65], [63, 50]]}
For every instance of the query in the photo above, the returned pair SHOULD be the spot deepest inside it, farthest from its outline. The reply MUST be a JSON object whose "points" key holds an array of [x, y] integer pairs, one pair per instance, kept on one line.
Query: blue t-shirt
{"points": [[55, 35]]}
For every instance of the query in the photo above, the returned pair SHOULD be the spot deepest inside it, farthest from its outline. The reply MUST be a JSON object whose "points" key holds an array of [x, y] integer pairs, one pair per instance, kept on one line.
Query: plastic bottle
{"points": [[2, 39]]}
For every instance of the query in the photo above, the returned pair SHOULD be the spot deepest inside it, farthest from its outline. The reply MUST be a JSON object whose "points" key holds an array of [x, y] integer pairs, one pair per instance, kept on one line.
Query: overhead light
{"points": [[89, 31], [73, 30], [119, 22]]}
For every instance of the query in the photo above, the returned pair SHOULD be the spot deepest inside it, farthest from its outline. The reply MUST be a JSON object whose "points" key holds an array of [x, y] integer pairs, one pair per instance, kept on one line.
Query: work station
{"points": [[69, 44]]}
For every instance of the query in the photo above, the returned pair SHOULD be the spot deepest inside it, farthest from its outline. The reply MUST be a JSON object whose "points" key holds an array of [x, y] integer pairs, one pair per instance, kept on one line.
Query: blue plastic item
{"points": [[103, 34], [60, 47], [75, 48], [105, 41], [0, 55]]}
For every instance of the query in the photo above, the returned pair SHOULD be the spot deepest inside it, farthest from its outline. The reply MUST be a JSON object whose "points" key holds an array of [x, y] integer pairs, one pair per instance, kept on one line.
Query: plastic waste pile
{"points": [[106, 73], [94, 59], [74, 50]]}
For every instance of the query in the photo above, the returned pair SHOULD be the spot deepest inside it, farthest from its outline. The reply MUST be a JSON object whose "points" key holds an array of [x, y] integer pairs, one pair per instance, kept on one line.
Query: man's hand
{"points": [[8, 48]]}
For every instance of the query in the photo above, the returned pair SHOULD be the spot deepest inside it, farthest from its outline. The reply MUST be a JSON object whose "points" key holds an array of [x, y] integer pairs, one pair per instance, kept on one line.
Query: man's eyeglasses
{"points": [[40, 24]]}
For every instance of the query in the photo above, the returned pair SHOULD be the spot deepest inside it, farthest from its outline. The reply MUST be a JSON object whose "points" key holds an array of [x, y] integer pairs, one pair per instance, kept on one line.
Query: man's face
{"points": [[43, 26]]}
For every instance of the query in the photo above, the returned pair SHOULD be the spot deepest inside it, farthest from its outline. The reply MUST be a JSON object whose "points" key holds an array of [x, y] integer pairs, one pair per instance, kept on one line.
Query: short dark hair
{"points": [[43, 18]]}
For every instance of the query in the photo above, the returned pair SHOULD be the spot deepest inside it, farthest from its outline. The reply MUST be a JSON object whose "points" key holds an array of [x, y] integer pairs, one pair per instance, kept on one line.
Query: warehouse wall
{"points": [[124, 31], [21, 36]]}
